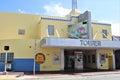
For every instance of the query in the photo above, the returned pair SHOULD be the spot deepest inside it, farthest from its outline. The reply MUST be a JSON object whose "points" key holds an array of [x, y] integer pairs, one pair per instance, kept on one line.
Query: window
{"points": [[21, 32], [104, 33], [93, 59], [89, 59], [9, 57], [50, 30], [85, 59], [2, 57]]}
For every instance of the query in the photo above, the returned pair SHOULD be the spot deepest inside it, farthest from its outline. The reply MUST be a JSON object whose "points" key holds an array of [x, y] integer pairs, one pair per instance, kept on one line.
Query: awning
{"points": [[79, 43]]}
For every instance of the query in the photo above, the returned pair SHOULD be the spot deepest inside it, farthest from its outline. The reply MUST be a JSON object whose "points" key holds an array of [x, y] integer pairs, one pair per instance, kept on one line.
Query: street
{"points": [[104, 77], [83, 77]]}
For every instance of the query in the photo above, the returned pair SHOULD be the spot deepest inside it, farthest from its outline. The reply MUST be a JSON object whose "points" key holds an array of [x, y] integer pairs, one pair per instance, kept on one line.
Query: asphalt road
{"points": [[80, 77], [103, 77]]}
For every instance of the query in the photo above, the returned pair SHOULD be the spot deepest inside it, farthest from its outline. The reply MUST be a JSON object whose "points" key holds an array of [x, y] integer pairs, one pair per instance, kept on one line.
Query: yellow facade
{"points": [[97, 32], [19, 47], [36, 28], [108, 63], [12, 22], [49, 64], [60, 30], [24, 49]]}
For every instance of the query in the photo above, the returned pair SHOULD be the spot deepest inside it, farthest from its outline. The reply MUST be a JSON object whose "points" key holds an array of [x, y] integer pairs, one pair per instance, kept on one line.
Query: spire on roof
{"points": [[74, 4]]}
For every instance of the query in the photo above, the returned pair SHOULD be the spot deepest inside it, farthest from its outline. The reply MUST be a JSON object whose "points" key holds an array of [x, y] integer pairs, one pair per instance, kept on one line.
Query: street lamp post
{"points": [[34, 57], [6, 48], [5, 70]]}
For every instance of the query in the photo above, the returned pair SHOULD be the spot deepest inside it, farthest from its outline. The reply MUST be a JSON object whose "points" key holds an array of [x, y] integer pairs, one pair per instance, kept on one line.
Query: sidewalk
{"points": [[12, 73], [14, 77], [99, 73], [81, 73], [22, 76]]}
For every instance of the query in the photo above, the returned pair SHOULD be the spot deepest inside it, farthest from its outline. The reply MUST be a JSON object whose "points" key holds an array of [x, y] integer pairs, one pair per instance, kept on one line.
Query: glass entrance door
{"points": [[69, 60], [73, 60]]}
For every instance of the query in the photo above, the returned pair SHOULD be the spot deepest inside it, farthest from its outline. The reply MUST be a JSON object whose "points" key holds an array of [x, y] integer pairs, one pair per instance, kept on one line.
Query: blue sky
{"points": [[102, 10]]}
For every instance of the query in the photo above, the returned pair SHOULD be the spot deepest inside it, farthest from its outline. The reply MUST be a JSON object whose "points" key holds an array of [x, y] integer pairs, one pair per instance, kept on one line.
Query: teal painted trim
{"points": [[74, 16]]}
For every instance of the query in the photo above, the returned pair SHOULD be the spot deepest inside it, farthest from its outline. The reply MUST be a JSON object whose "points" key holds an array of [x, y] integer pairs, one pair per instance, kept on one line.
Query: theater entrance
{"points": [[73, 60]]}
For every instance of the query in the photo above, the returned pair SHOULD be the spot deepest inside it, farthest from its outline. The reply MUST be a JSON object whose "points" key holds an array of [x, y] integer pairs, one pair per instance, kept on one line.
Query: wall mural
{"points": [[79, 30]]}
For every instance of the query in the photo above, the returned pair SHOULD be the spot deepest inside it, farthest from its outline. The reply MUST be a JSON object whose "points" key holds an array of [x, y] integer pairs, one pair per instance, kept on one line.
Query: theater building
{"points": [[73, 42]]}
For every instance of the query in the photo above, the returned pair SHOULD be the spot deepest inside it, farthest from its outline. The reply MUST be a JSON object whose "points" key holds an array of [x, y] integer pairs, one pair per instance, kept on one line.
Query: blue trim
{"points": [[57, 19], [2, 65], [24, 65], [74, 16]]}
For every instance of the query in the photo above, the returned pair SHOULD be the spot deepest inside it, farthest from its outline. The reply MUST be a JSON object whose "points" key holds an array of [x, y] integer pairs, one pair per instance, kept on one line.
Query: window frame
{"points": [[10, 57], [51, 30], [104, 33], [21, 31]]}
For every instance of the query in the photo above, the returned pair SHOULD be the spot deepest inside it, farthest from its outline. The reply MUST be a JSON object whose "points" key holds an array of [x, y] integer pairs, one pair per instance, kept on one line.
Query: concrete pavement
{"points": [[104, 75]]}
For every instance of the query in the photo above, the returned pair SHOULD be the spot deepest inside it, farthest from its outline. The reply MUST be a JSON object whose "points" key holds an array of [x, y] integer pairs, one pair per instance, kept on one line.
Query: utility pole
{"points": [[5, 69], [6, 48], [34, 57]]}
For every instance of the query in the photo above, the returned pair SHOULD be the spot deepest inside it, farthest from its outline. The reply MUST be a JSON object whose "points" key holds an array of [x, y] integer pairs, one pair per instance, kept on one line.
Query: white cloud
{"points": [[114, 26], [116, 29], [56, 9], [104, 21], [37, 13], [21, 11]]}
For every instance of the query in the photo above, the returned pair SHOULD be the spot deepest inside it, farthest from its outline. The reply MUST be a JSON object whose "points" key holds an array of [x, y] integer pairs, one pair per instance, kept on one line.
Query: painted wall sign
{"points": [[102, 58], [90, 43], [56, 58], [40, 58], [79, 30]]}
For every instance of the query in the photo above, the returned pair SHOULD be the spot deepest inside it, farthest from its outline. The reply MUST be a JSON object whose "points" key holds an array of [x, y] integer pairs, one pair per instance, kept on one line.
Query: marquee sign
{"points": [[90, 43], [81, 43]]}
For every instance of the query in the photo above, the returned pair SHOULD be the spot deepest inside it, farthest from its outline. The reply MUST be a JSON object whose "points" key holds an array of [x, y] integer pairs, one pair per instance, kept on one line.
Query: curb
{"points": [[7, 78], [99, 73]]}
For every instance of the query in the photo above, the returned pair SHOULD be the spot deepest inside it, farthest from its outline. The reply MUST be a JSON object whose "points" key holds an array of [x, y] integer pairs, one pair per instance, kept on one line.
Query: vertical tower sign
{"points": [[86, 16], [74, 4]]}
